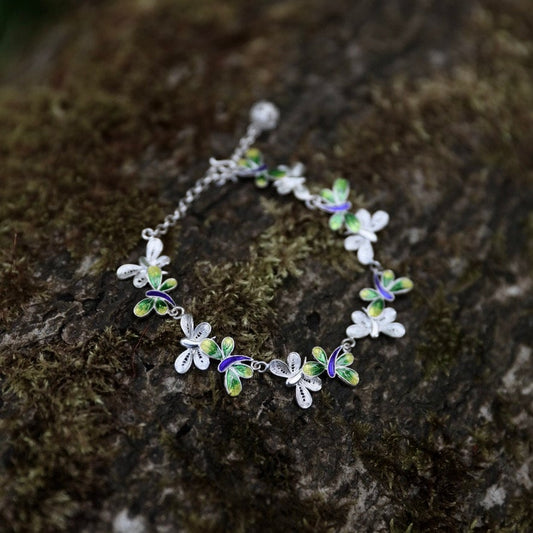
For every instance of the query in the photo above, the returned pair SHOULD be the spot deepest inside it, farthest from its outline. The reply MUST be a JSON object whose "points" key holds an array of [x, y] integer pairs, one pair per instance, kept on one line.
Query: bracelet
{"points": [[360, 230]]}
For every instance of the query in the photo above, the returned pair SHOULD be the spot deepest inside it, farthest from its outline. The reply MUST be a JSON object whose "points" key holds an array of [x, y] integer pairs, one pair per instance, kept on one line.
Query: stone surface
{"points": [[109, 116]]}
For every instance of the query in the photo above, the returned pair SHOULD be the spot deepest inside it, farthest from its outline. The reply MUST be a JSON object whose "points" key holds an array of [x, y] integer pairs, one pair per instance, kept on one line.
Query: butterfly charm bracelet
{"points": [[360, 229]]}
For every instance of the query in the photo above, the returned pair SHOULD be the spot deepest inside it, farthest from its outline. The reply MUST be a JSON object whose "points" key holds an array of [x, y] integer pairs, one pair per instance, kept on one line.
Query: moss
{"points": [[56, 458]]}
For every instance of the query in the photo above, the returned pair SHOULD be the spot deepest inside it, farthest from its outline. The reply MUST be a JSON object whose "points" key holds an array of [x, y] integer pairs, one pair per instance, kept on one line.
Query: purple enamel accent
{"points": [[332, 361], [384, 292], [260, 168], [162, 295], [226, 363], [335, 208]]}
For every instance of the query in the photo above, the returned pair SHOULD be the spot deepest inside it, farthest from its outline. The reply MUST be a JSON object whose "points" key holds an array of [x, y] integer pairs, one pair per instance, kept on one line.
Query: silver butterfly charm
{"points": [[191, 343], [366, 235], [139, 272], [364, 324], [292, 370]]}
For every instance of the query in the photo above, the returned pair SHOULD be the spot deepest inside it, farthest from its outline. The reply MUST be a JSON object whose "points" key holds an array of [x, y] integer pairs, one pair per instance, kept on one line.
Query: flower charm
{"points": [[366, 234], [234, 367], [290, 179], [153, 257], [293, 371], [191, 343], [336, 365], [386, 289], [157, 297], [364, 324], [252, 165], [335, 200]]}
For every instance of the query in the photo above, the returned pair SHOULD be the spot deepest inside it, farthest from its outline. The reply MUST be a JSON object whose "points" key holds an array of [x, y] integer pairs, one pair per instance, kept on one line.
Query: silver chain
{"points": [[220, 171]]}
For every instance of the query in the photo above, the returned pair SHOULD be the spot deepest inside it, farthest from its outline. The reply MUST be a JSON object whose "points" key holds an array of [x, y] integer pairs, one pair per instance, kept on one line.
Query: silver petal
{"points": [[187, 325], [352, 242], [379, 220], [201, 331], [183, 362], [393, 330], [154, 247], [162, 261], [294, 361], [140, 279], [127, 271], [365, 253], [387, 315], [303, 396], [201, 360], [358, 331], [312, 383], [279, 368], [364, 217]]}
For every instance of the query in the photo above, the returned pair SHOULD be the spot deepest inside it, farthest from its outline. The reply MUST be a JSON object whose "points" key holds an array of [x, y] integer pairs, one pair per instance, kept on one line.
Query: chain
{"points": [[220, 171]]}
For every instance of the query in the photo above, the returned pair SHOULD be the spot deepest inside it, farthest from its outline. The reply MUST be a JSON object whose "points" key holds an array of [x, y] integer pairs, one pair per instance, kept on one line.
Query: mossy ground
{"points": [[426, 109]]}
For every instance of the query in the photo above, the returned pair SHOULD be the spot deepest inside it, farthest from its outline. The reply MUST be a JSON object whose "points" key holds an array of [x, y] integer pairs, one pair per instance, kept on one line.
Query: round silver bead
{"points": [[264, 115]]}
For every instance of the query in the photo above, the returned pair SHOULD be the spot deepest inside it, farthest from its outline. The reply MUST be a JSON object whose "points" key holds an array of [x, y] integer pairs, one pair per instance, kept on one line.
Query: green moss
{"points": [[443, 339], [57, 457]]}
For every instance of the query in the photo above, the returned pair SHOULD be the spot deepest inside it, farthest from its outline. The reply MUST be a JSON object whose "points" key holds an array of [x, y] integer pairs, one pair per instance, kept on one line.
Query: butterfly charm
{"points": [[139, 272], [364, 324], [234, 367], [386, 290], [336, 365], [366, 234], [292, 370], [191, 343], [335, 201], [156, 298]]}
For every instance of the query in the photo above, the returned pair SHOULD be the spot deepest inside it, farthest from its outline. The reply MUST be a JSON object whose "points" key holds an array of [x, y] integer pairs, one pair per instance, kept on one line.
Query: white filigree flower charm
{"points": [[291, 179], [366, 234], [139, 272], [292, 370], [194, 336], [365, 324]]}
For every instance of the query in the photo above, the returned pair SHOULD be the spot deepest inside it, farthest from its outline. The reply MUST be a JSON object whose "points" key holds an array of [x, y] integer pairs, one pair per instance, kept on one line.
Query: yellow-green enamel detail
{"points": [[211, 349], [154, 276], [143, 307], [348, 375], [376, 307]]}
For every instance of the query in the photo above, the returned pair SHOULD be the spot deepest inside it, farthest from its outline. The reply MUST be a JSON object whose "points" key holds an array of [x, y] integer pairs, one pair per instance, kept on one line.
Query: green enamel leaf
{"points": [[320, 355], [232, 383], [227, 346], [336, 221], [154, 276], [401, 285], [375, 308], [341, 188], [161, 306], [261, 181], [168, 285], [244, 371], [313, 368], [348, 376], [387, 278], [328, 195], [210, 348], [352, 222], [253, 154], [345, 359], [368, 294], [277, 173], [143, 307]]}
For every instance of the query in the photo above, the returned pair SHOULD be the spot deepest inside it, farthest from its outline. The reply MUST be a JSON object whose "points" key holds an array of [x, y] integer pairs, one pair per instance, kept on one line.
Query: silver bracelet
{"points": [[360, 230]]}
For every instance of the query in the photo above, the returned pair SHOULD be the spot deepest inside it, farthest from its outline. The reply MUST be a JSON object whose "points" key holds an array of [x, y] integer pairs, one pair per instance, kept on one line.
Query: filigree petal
{"points": [[312, 383], [352, 242], [187, 325], [279, 368], [303, 396], [201, 331], [379, 220], [183, 362], [140, 279], [154, 247], [201, 360], [393, 330], [294, 361], [128, 271]]}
